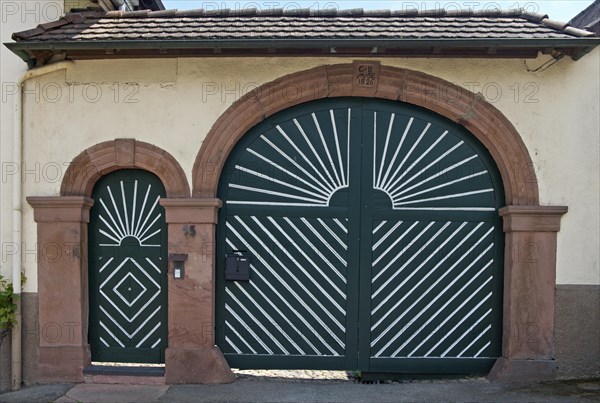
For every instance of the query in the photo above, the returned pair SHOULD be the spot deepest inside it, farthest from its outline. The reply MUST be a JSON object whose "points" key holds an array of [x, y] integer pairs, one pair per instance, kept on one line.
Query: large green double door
{"points": [[374, 239]]}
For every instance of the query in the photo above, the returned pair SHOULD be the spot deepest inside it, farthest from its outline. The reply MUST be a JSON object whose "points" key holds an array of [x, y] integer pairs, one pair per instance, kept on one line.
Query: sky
{"points": [[556, 9]]}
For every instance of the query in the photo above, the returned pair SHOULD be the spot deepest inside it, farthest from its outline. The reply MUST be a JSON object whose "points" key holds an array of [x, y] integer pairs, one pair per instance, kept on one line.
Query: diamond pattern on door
{"points": [[128, 269]]}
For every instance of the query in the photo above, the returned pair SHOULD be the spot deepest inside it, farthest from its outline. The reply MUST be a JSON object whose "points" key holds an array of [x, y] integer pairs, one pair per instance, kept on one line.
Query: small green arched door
{"points": [[374, 238], [128, 269]]}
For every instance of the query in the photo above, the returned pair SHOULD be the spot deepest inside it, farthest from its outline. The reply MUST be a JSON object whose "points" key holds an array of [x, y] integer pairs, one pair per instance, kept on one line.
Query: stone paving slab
{"points": [[37, 393], [253, 388], [245, 390], [113, 393]]}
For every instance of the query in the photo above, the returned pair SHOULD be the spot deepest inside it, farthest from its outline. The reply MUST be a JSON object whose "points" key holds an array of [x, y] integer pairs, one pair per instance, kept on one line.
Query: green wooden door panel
{"points": [[375, 242], [128, 269]]}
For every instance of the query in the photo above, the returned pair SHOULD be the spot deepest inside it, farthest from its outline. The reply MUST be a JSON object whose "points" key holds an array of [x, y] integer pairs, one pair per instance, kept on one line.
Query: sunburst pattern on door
{"points": [[373, 238], [418, 170], [301, 163], [121, 220]]}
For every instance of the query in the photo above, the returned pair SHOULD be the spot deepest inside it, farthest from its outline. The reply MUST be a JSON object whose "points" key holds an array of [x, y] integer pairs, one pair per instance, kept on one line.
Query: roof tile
{"points": [[300, 23]]}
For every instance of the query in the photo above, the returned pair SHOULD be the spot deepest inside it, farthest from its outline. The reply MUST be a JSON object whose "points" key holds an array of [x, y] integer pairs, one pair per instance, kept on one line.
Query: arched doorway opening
{"points": [[374, 238]]}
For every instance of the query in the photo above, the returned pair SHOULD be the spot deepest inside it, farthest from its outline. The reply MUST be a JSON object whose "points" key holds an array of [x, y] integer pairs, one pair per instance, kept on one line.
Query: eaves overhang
{"points": [[32, 51]]}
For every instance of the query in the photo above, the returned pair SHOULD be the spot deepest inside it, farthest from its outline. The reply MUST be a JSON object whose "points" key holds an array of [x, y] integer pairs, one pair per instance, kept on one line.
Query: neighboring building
{"points": [[589, 18], [387, 191]]}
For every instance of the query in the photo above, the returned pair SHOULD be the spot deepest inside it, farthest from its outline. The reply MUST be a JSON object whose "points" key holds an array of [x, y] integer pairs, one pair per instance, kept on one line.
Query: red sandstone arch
{"points": [[482, 119], [103, 158]]}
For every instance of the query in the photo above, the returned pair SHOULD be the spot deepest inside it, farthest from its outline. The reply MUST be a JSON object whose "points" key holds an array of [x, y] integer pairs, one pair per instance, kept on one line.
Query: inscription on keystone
{"points": [[366, 75], [366, 78]]}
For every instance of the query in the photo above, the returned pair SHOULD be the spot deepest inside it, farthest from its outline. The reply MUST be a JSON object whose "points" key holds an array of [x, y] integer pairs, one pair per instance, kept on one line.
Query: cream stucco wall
{"points": [[15, 16], [173, 103]]}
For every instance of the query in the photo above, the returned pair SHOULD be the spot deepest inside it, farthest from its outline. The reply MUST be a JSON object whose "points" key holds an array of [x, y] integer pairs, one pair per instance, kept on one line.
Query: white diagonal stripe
{"points": [[113, 230], [148, 335], [335, 220], [148, 229], [125, 209], [452, 196], [249, 329], [407, 294], [337, 146], [448, 317], [284, 300], [383, 238], [145, 273], [284, 283], [152, 264], [413, 257], [130, 336], [141, 229], [135, 187], [423, 155], [302, 269], [423, 263], [312, 148], [314, 249], [142, 209], [138, 312], [280, 182], [106, 264], [156, 343], [113, 273], [104, 342], [240, 337], [385, 149], [269, 318], [443, 185], [305, 172], [116, 291], [323, 189], [280, 194], [111, 333], [324, 242], [123, 229], [454, 296], [466, 333], [391, 165], [379, 227], [228, 340], [438, 296], [324, 184], [318, 126], [393, 245], [397, 171], [116, 228], [482, 348], [487, 329], [467, 316], [333, 234], [255, 320], [436, 175]]}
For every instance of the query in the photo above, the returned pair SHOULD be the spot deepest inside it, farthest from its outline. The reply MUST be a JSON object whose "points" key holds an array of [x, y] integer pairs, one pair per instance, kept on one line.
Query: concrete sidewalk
{"points": [[261, 390]]}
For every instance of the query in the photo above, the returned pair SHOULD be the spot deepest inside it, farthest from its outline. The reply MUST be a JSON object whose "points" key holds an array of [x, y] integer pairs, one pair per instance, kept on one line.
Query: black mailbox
{"points": [[237, 266]]}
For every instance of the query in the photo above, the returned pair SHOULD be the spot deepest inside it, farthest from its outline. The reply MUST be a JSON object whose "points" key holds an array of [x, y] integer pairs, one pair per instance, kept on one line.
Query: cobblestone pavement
{"points": [[320, 376], [293, 375]]}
